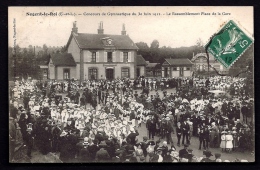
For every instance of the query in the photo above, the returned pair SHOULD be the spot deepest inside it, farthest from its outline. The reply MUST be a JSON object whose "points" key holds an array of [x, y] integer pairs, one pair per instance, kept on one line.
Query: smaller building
{"points": [[200, 63], [153, 69], [62, 66], [44, 70], [176, 68], [140, 66]]}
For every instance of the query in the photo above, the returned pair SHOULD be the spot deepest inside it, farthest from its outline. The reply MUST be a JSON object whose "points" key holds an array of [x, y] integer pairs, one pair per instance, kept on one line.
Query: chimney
{"points": [[75, 28], [100, 28], [123, 32]]}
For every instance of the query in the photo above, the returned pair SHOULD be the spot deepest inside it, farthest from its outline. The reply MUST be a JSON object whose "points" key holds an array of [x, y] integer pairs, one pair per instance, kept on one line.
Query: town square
{"points": [[129, 88]]}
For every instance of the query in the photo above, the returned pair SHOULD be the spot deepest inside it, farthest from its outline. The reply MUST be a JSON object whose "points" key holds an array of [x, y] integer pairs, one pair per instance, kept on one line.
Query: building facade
{"points": [[140, 66], [176, 68], [153, 69], [200, 63], [102, 56], [62, 66]]}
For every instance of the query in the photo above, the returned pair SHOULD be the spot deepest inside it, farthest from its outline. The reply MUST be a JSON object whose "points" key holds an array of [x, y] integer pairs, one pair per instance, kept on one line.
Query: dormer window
{"points": [[109, 42]]}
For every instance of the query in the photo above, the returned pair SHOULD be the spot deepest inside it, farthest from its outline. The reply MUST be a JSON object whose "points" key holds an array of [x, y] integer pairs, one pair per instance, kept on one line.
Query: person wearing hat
{"points": [[178, 133], [183, 151], [223, 141], [217, 157], [84, 155], [139, 151], [132, 136], [185, 132], [174, 155], [189, 155], [22, 124], [117, 157], [29, 140], [102, 154], [229, 141], [93, 148], [208, 155], [168, 130], [235, 139], [151, 127]]}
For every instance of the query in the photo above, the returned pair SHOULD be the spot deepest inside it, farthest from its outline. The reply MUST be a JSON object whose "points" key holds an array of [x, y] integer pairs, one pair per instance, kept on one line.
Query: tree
{"points": [[63, 49], [142, 45], [154, 44], [45, 49]]}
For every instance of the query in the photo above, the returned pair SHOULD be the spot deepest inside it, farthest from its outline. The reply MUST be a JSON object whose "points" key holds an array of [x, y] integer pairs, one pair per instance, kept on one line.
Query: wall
{"points": [[101, 55], [102, 69], [142, 70], [176, 73], [101, 64], [51, 70], [60, 72], [74, 50], [77, 76], [186, 73]]}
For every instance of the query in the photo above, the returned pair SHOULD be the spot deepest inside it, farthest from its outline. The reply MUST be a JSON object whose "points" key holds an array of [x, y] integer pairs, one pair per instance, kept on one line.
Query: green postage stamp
{"points": [[228, 44]]}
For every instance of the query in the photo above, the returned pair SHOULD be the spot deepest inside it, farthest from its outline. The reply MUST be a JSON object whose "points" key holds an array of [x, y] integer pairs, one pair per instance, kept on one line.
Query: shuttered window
{"points": [[125, 72], [105, 56], [125, 57], [129, 57], [93, 57], [121, 57], [113, 56]]}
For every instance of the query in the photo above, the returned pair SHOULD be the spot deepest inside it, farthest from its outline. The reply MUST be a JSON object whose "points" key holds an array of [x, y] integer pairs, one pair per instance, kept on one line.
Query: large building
{"points": [[96, 56]]}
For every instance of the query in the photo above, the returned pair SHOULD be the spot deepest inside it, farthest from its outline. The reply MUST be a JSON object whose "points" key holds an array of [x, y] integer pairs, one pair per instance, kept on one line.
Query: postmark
{"points": [[228, 44]]}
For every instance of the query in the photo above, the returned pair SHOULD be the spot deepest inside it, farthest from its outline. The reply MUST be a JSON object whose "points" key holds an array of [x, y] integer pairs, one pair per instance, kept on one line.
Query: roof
{"points": [[140, 61], [178, 61], [63, 59], [151, 64], [211, 57], [96, 41], [42, 62]]}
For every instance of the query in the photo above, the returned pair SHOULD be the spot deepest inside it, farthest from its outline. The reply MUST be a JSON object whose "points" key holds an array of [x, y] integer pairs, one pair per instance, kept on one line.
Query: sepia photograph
{"points": [[131, 84]]}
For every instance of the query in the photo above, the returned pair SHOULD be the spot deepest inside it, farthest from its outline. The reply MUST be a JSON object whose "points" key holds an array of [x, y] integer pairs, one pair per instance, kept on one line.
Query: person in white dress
{"points": [[223, 140], [229, 143]]}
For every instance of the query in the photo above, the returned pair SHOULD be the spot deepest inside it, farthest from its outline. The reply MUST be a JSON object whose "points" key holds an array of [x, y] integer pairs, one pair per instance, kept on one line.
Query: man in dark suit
{"points": [[183, 151], [185, 132], [168, 130], [151, 127], [132, 136], [93, 149], [209, 120], [219, 121], [195, 119]]}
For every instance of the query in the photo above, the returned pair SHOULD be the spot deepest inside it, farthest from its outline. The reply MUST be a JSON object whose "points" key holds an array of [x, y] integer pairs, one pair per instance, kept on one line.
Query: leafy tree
{"points": [[154, 44]]}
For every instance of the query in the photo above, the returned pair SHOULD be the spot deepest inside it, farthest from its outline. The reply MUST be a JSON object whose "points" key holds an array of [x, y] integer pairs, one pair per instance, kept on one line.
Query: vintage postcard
{"points": [[131, 84]]}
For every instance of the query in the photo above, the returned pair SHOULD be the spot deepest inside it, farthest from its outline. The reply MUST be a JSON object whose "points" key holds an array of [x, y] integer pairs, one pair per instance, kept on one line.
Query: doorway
{"points": [[110, 73], [181, 71], [138, 72], [166, 72]]}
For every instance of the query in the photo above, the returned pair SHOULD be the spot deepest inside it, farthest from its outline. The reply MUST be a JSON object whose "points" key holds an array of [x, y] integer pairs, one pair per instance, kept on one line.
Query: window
{"points": [[66, 74], [125, 73], [93, 73], [174, 69], [125, 54], [109, 57], [187, 68], [93, 57]]}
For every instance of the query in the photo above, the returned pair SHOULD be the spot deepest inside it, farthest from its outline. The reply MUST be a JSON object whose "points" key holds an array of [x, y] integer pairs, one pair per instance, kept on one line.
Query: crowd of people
{"points": [[76, 129]]}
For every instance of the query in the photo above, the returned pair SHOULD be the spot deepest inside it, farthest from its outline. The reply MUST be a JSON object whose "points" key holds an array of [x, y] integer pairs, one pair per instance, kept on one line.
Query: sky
{"points": [[169, 30]]}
